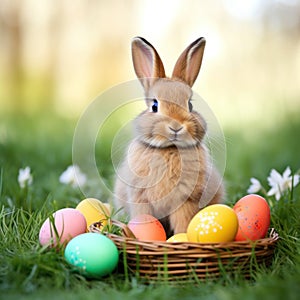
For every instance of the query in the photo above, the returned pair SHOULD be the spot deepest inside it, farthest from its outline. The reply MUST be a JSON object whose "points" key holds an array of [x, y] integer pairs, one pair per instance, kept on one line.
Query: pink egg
{"points": [[253, 214], [146, 227], [66, 224]]}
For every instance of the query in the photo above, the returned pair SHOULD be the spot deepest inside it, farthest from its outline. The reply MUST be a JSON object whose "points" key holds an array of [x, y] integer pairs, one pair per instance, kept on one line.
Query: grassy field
{"points": [[28, 271]]}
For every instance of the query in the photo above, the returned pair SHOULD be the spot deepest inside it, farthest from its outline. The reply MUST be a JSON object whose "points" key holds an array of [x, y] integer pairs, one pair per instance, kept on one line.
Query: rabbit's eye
{"points": [[190, 106], [154, 106]]}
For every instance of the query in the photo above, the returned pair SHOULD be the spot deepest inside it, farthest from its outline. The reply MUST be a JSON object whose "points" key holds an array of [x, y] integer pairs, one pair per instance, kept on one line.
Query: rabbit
{"points": [[167, 171]]}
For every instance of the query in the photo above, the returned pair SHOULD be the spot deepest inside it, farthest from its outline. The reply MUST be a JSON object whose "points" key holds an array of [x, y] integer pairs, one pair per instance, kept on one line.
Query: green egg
{"points": [[92, 254]]}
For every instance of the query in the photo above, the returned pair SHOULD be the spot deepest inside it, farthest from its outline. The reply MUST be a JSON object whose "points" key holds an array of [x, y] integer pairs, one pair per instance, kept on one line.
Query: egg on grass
{"points": [[62, 226], [94, 211], [92, 254]]}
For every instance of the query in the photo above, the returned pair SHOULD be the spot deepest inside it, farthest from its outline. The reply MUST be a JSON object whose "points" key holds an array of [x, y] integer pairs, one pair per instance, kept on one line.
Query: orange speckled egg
{"points": [[146, 227], [254, 216]]}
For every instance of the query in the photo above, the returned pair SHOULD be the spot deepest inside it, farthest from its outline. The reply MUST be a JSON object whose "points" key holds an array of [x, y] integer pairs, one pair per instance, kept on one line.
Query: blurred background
{"points": [[59, 55]]}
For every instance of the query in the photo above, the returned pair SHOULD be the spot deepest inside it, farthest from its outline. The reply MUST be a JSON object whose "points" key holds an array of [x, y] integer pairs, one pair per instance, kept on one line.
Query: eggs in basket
{"points": [[96, 255], [249, 219]]}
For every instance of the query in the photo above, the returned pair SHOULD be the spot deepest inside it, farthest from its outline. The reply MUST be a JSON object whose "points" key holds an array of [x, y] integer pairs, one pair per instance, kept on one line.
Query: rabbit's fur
{"points": [[167, 171]]}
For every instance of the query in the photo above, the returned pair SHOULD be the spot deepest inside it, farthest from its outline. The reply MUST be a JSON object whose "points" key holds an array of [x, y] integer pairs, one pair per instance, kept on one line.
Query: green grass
{"points": [[28, 271]]}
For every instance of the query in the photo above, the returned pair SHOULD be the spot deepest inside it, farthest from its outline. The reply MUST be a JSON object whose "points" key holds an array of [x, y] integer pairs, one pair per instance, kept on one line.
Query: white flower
{"points": [[73, 176], [255, 186], [280, 183], [24, 177]]}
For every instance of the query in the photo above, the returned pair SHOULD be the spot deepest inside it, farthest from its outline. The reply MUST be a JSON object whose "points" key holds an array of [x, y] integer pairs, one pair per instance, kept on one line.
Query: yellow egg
{"points": [[216, 223], [94, 211], [179, 237]]}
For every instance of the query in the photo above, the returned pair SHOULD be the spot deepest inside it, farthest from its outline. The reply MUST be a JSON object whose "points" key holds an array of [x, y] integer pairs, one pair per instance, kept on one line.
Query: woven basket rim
{"points": [[128, 238], [153, 260]]}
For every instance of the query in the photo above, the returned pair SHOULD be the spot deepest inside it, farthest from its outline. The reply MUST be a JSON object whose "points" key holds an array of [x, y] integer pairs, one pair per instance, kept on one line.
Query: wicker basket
{"points": [[154, 260]]}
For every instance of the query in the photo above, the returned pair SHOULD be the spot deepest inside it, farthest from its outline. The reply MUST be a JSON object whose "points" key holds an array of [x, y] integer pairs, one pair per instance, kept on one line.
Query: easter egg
{"points": [[94, 211], [147, 227], [179, 237], [254, 217], [92, 254], [64, 224], [216, 223]]}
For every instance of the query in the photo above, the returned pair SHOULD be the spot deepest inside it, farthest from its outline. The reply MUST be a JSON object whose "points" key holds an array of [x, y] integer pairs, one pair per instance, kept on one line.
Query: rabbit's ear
{"points": [[189, 62], [146, 61]]}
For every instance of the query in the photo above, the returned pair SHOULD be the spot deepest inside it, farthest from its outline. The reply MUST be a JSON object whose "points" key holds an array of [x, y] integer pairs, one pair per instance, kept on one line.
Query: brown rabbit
{"points": [[167, 171]]}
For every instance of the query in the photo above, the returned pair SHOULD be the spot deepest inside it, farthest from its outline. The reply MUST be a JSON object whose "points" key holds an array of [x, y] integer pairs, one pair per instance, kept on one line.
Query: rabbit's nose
{"points": [[175, 130]]}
